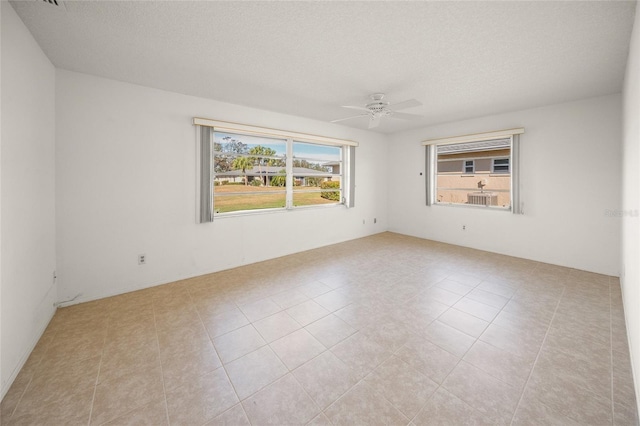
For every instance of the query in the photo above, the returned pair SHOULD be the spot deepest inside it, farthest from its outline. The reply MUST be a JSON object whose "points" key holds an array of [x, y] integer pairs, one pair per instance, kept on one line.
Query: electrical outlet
{"points": [[375, 220], [464, 227], [142, 259], [363, 221]]}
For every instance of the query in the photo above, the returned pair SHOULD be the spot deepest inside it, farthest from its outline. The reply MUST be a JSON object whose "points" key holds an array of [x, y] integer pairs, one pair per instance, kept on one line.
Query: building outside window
{"points": [[485, 178]]}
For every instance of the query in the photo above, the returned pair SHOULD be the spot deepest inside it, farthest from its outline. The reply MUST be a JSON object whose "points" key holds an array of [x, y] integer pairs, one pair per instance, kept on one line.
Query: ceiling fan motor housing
{"points": [[378, 107]]}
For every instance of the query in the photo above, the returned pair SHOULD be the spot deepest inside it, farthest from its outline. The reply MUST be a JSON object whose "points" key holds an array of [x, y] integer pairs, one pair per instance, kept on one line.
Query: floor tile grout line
{"points": [[440, 385], [533, 367], [387, 399], [26, 388], [268, 384], [164, 386], [477, 339], [21, 396], [364, 382], [95, 387], [227, 332], [401, 359], [361, 380], [237, 358], [222, 364], [320, 411], [283, 336]]}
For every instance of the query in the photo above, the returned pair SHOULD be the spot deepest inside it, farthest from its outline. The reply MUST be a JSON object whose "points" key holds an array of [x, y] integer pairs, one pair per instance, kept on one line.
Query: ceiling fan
{"points": [[378, 108]]}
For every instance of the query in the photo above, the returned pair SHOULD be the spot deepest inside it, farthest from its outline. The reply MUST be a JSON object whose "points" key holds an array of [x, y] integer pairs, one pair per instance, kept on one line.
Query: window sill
{"points": [[319, 206], [247, 213], [473, 206], [272, 211]]}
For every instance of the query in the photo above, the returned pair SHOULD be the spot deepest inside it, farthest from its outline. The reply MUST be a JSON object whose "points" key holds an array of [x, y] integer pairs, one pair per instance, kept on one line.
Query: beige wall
{"points": [[500, 184]]}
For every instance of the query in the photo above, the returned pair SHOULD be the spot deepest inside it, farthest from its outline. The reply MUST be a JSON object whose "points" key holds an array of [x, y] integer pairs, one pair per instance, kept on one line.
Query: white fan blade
{"points": [[374, 122], [405, 104], [404, 116], [359, 108], [349, 118]]}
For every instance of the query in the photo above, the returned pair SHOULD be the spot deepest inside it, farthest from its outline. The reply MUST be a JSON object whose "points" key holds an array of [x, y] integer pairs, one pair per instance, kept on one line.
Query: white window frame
{"points": [[204, 165], [464, 167], [431, 160], [292, 189]]}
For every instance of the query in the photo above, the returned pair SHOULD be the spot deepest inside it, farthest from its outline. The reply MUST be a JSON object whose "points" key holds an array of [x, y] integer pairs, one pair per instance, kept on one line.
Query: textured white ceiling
{"points": [[460, 59]]}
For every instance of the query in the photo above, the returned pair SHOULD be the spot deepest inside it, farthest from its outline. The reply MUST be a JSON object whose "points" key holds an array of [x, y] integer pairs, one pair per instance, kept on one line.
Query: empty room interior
{"points": [[309, 213]]}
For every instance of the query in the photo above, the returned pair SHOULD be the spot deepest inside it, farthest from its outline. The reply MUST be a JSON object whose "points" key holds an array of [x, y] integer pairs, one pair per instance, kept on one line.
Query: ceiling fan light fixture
{"points": [[377, 108]]}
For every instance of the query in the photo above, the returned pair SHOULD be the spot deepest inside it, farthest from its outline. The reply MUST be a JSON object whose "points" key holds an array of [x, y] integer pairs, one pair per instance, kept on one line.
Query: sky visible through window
{"points": [[316, 152], [278, 145], [300, 149]]}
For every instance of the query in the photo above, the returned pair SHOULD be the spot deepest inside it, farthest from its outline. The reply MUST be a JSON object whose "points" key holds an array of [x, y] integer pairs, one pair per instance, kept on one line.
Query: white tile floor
{"points": [[387, 329]]}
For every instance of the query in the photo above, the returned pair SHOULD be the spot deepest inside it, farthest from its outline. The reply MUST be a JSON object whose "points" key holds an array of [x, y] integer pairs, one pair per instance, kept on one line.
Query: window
{"points": [[490, 159], [245, 169], [500, 165], [316, 174], [469, 166], [249, 172]]}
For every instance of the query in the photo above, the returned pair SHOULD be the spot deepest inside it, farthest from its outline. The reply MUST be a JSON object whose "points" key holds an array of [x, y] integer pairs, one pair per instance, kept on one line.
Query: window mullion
{"points": [[289, 169], [514, 169]]}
